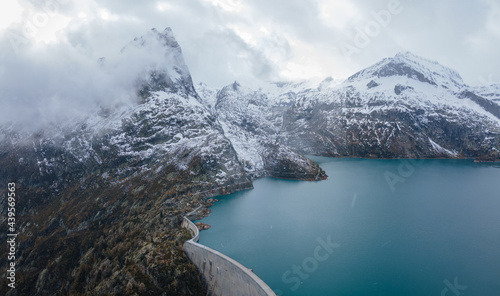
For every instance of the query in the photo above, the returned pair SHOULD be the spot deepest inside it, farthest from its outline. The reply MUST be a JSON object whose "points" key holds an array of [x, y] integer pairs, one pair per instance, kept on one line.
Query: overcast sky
{"points": [[53, 45]]}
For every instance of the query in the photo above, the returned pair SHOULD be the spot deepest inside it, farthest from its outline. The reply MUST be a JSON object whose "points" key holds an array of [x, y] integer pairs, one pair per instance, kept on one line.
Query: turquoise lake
{"points": [[375, 227]]}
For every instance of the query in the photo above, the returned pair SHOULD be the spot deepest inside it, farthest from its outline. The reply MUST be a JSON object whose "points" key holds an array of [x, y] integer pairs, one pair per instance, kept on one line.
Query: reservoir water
{"points": [[375, 227]]}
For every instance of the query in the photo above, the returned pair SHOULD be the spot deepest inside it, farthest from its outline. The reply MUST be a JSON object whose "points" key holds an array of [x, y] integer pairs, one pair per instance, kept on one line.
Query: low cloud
{"points": [[49, 70], [64, 81]]}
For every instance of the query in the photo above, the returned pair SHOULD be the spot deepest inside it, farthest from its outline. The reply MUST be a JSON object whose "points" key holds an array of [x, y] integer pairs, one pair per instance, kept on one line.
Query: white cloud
{"points": [[493, 21], [105, 15], [60, 82], [11, 12], [228, 5], [227, 40], [338, 14]]}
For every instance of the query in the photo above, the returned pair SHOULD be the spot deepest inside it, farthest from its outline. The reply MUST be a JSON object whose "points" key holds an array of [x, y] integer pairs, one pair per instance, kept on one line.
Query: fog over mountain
{"points": [[49, 66], [47, 85]]}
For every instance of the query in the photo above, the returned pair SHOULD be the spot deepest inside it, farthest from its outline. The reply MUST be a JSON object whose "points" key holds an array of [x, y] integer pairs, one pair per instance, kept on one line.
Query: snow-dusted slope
{"points": [[242, 114], [252, 122], [208, 95], [412, 67], [490, 92]]}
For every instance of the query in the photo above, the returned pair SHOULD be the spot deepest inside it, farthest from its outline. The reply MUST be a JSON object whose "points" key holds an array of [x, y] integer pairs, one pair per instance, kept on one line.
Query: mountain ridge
{"points": [[413, 67]]}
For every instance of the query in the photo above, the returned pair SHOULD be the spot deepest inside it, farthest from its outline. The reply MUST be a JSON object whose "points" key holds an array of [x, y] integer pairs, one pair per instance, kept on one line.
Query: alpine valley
{"points": [[101, 199]]}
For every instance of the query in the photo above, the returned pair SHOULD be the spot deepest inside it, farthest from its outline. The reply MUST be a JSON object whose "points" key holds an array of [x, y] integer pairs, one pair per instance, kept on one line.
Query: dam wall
{"points": [[222, 275]]}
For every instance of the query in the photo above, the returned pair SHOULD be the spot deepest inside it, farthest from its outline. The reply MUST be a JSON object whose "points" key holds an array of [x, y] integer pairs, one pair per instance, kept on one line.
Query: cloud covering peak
{"points": [[54, 83], [50, 48]]}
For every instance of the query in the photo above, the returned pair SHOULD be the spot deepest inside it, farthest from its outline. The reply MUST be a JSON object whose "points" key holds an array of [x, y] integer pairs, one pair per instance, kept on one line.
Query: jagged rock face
{"points": [[168, 70], [488, 105], [283, 162], [253, 123]]}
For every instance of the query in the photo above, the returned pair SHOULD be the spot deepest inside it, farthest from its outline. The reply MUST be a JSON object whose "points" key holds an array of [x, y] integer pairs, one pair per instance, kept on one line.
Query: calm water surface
{"points": [[375, 227]]}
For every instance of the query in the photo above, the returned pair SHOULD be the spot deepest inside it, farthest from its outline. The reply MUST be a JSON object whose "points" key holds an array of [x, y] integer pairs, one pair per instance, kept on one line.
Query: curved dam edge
{"points": [[222, 274]]}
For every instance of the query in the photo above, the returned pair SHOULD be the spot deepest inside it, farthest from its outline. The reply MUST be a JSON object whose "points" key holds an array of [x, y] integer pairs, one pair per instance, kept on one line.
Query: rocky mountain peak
{"points": [[409, 56], [237, 95], [153, 36], [234, 89], [411, 66], [236, 85], [165, 68]]}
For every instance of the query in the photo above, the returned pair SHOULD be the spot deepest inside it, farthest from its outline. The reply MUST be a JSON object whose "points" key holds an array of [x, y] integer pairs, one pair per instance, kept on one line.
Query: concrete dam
{"points": [[223, 275]]}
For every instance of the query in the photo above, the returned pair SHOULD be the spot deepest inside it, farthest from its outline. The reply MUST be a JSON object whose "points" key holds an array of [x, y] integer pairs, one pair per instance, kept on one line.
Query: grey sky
{"points": [[227, 40]]}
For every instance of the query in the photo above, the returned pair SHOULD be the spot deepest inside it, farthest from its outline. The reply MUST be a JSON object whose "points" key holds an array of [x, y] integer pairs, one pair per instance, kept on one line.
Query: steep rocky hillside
{"points": [[252, 122]]}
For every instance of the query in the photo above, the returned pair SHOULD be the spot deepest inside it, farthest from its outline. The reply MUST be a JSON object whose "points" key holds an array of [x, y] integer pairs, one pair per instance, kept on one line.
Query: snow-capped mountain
{"points": [[404, 106], [167, 68], [412, 67]]}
